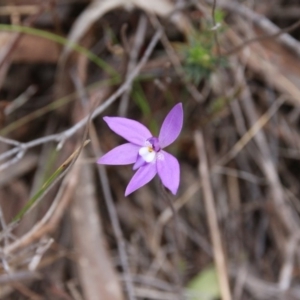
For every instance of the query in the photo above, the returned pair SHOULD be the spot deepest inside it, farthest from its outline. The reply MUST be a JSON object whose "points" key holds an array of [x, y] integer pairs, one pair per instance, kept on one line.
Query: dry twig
{"points": [[21, 148], [211, 215]]}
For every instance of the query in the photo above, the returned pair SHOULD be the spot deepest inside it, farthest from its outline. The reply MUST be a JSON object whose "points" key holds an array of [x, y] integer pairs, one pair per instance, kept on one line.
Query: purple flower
{"points": [[145, 151]]}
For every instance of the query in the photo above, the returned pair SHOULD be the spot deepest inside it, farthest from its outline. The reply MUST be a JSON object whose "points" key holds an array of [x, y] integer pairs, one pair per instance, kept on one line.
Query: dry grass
{"points": [[239, 211]]}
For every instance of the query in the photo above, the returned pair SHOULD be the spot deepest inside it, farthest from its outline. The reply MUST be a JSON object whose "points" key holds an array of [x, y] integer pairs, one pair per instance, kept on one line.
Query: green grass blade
{"points": [[63, 41], [34, 200]]}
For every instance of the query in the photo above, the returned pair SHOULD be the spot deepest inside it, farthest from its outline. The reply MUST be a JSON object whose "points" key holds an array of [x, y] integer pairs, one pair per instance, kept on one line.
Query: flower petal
{"points": [[141, 177], [130, 130], [171, 126], [122, 155], [169, 171], [139, 163]]}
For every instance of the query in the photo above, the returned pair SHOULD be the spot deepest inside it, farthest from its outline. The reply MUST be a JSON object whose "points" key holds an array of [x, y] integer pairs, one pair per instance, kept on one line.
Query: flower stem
{"points": [[177, 244]]}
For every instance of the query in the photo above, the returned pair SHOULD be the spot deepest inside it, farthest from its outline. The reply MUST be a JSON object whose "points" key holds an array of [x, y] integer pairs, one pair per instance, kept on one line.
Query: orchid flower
{"points": [[146, 151]]}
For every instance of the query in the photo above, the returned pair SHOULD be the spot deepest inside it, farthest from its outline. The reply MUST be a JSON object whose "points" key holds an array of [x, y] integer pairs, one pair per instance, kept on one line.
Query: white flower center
{"points": [[147, 153]]}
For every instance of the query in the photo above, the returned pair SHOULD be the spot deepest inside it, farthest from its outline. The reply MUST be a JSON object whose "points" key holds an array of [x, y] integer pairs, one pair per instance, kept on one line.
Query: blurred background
{"points": [[68, 231]]}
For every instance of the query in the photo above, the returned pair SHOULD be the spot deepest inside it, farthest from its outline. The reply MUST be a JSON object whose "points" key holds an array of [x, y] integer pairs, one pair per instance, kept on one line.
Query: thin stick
{"points": [[21, 100], [108, 198], [134, 53], [219, 255], [61, 137], [252, 132], [260, 38], [262, 22], [286, 272], [176, 61], [54, 214], [112, 211], [215, 28], [217, 168]]}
